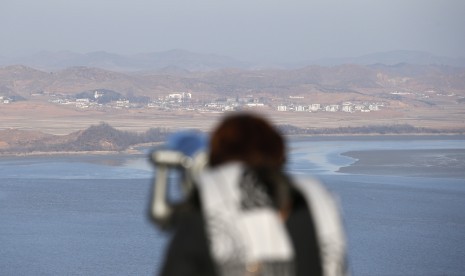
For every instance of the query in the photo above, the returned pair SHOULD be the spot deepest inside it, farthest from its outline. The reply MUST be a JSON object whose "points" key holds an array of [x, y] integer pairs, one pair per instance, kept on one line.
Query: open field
{"points": [[58, 119]]}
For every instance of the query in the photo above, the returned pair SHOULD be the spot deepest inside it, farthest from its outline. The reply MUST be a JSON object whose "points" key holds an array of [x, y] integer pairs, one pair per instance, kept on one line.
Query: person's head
{"points": [[249, 139]]}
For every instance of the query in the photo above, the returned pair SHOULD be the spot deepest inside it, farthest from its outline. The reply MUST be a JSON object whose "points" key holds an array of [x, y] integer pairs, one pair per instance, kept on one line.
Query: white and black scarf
{"points": [[247, 236]]}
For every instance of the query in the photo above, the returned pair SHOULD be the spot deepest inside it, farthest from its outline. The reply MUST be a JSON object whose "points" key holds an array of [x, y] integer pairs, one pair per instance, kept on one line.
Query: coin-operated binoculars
{"points": [[184, 153]]}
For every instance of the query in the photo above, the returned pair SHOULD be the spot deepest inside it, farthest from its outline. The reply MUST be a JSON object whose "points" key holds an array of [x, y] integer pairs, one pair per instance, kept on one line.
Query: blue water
{"points": [[87, 215]]}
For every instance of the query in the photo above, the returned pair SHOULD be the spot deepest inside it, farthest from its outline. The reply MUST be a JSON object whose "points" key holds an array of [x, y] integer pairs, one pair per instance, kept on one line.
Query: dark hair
{"points": [[249, 139]]}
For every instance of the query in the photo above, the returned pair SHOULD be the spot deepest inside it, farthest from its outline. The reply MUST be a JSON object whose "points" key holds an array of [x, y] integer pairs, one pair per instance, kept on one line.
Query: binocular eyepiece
{"points": [[184, 152]]}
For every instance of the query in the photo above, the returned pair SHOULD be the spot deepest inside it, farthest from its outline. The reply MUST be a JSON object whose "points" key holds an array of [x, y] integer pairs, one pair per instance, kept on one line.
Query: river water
{"points": [[87, 215]]}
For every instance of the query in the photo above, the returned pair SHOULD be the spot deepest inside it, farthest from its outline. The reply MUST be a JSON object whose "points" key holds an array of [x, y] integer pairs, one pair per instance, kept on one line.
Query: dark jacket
{"points": [[188, 252]]}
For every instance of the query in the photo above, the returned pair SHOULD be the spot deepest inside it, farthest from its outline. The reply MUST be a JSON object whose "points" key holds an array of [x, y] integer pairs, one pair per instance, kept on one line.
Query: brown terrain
{"points": [[420, 96]]}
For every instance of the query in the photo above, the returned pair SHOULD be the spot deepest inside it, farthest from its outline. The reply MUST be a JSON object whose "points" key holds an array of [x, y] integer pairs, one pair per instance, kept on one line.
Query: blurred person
{"points": [[246, 216]]}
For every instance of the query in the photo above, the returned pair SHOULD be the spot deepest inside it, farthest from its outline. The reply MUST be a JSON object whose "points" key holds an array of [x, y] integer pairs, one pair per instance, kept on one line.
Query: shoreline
{"points": [[435, 163], [379, 137], [129, 151], [132, 150]]}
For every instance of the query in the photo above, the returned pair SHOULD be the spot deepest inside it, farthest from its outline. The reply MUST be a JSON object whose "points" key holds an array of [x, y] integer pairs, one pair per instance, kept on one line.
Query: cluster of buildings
{"points": [[426, 94], [185, 101], [93, 101], [5, 100], [344, 107], [86, 103]]}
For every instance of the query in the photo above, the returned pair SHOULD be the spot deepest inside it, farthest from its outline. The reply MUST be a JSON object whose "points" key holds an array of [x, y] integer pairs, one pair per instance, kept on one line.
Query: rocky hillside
{"points": [[102, 137]]}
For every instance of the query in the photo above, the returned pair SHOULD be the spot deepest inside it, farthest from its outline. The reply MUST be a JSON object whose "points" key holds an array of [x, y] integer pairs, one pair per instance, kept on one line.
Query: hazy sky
{"points": [[291, 30]]}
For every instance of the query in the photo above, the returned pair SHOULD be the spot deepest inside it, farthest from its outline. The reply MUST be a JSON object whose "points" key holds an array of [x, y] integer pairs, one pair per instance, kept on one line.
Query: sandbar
{"points": [[442, 163]]}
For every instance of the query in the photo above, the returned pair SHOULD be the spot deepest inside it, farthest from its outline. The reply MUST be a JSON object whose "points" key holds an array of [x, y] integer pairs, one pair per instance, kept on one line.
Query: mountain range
{"points": [[169, 60], [181, 60], [347, 82]]}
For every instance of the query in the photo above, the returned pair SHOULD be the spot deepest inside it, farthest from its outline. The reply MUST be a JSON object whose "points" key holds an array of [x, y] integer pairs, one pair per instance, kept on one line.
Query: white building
{"points": [[299, 108], [347, 107], [314, 107], [179, 96], [332, 108], [373, 107], [82, 103], [97, 94], [282, 108], [359, 107], [255, 104], [83, 100], [122, 103]]}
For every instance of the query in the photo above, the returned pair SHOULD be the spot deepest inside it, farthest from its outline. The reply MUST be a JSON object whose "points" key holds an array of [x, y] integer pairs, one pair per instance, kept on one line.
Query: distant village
{"points": [[104, 99], [186, 101]]}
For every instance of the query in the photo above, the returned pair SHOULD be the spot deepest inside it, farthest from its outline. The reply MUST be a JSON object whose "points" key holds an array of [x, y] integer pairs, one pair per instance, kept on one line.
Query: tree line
{"points": [[370, 129]]}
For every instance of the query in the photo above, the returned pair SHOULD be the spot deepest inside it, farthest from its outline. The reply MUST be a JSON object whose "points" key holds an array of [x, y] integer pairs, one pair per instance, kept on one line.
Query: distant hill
{"points": [[102, 137], [23, 81], [185, 60], [393, 58], [141, 62]]}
